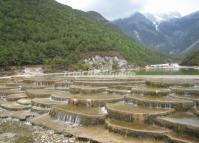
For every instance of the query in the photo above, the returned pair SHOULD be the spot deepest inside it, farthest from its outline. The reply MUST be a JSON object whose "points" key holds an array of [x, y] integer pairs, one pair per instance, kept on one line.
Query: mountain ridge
{"points": [[171, 36]]}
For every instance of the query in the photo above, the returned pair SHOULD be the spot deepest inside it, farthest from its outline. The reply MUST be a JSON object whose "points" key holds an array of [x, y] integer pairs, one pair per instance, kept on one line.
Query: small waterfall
{"points": [[132, 102], [170, 106], [129, 102], [53, 98], [166, 106], [135, 103], [72, 120], [20, 88], [77, 122], [195, 105], [11, 119], [159, 105], [28, 123], [172, 95], [89, 103], [103, 110], [187, 94]]}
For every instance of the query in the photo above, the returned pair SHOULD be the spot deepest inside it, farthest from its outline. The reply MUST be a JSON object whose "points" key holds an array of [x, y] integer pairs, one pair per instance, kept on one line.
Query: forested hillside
{"points": [[192, 59], [44, 31]]}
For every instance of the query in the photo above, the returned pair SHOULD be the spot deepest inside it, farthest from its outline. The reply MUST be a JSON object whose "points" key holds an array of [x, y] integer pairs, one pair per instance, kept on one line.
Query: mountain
{"points": [[191, 59], [143, 30], [161, 17], [183, 32], [194, 47], [44, 31], [169, 33], [97, 16]]}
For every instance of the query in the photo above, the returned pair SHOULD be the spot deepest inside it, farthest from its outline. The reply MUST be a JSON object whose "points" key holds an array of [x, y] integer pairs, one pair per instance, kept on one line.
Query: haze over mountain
{"points": [[168, 33]]}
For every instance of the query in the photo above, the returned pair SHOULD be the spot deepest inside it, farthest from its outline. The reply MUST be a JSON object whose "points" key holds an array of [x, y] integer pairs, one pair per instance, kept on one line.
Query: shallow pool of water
{"points": [[168, 72]]}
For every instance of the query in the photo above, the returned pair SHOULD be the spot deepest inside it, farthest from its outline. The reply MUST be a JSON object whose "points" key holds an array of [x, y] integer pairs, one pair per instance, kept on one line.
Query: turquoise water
{"points": [[169, 72]]}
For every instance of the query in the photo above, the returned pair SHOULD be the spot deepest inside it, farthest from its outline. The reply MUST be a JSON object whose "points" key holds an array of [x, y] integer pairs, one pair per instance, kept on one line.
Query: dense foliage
{"points": [[192, 59], [44, 31]]}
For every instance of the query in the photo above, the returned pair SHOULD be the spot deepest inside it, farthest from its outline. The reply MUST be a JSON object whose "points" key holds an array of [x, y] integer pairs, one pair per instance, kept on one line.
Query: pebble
{"points": [[40, 135], [48, 136]]}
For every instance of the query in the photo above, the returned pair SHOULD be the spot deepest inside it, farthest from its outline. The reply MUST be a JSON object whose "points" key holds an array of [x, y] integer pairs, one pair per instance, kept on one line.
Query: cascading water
{"points": [[20, 88], [132, 102], [72, 120], [77, 122], [103, 110], [195, 105]]}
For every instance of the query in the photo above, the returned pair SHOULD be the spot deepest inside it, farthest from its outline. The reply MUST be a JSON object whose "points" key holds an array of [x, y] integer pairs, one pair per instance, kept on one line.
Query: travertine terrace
{"points": [[134, 109]]}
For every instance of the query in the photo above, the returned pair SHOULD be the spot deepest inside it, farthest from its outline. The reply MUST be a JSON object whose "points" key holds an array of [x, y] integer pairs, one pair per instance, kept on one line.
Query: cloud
{"points": [[111, 9], [114, 9], [163, 6]]}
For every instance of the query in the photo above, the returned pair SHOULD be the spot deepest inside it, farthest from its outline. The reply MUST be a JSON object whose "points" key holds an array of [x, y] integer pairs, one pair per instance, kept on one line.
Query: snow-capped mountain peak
{"points": [[156, 19]]}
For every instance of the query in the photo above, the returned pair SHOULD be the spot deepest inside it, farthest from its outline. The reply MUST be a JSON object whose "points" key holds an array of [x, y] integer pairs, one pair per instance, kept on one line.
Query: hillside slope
{"points": [[39, 31], [175, 36], [143, 30], [194, 47], [191, 59]]}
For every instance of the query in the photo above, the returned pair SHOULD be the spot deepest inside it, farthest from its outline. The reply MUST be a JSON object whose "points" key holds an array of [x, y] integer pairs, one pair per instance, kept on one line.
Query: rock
{"points": [[71, 140], [106, 63]]}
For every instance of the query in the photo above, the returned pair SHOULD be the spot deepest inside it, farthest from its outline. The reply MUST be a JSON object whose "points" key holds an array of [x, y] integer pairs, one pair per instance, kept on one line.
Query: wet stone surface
{"points": [[102, 109], [13, 131]]}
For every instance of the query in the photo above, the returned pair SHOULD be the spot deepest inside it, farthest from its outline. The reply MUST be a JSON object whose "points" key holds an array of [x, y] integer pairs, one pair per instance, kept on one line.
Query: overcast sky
{"points": [[114, 9]]}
